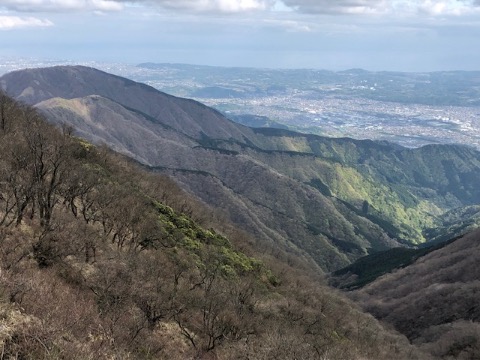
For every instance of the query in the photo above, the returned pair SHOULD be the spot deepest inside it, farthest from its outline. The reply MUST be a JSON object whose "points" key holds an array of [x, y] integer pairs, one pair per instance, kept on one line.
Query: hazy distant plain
{"points": [[411, 109]]}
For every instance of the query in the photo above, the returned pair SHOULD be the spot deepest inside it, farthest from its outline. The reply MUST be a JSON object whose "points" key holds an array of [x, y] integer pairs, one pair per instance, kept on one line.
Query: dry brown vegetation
{"points": [[435, 302], [100, 260]]}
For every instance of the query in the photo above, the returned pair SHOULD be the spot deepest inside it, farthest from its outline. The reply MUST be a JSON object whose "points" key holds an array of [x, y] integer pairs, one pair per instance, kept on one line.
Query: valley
{"points": [[436, 107], [327, 200], [433, 301], [100, 258], [262, 212]]}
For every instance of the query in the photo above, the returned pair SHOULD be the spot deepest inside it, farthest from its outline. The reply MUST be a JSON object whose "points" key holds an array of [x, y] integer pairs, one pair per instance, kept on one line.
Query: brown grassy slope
{"points": [[435, 301]]}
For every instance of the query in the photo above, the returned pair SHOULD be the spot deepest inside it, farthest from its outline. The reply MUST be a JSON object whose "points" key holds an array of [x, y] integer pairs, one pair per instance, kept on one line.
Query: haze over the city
{"points": [[403, 35]]}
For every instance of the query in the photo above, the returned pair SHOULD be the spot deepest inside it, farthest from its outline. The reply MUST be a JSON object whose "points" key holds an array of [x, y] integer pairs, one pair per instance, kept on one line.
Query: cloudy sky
{"points": [[404, 35]]}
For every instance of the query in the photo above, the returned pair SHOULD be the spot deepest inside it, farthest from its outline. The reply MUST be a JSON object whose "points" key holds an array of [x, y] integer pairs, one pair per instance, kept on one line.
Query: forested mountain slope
{"points": [[100, 259], [329, 200], [435, 301]]}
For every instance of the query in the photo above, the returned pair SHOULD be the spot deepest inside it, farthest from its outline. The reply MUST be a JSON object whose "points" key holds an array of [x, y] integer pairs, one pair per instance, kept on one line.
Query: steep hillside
{"points": [[189, 117], [435, 301], [99, 259], [102, 120], [368, 268], [329, 200]]}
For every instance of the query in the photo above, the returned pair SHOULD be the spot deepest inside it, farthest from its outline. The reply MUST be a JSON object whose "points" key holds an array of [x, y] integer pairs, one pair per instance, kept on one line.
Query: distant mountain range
{"points": [[328, 201], [448, 88]]}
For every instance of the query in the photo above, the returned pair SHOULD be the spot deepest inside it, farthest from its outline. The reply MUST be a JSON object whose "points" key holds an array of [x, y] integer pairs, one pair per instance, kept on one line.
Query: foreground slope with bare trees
{"points": [[99, 259]]}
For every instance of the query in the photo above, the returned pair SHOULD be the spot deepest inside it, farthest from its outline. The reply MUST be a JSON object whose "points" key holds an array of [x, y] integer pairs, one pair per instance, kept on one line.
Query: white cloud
{"points": [[225, 6], [338, 6], [61, 5], [446, 7], [14, 22], [330, 7], [391, 7], [241, 5], [106, 5]]}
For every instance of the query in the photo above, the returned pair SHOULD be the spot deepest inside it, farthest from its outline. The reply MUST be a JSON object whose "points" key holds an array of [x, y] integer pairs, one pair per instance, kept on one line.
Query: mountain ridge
{"points": [[101, 259], [333, 200], [90, 81]]}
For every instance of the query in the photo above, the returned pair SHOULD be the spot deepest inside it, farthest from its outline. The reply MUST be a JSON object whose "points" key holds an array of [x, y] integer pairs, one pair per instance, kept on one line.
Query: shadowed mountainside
{"points": [[330, 200], [435, 301]]}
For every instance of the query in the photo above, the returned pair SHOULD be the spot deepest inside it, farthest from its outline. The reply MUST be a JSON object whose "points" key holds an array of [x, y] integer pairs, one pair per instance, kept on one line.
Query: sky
{"points": [[396, 35]]}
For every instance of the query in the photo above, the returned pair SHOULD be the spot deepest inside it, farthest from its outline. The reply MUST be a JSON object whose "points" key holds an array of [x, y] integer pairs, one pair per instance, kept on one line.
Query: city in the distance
{"points": [[411, 109]]}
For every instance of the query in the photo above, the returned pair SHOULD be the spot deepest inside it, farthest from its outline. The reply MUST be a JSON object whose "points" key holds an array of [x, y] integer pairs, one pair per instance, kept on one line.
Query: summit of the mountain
{"points": [[191, 118]]}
